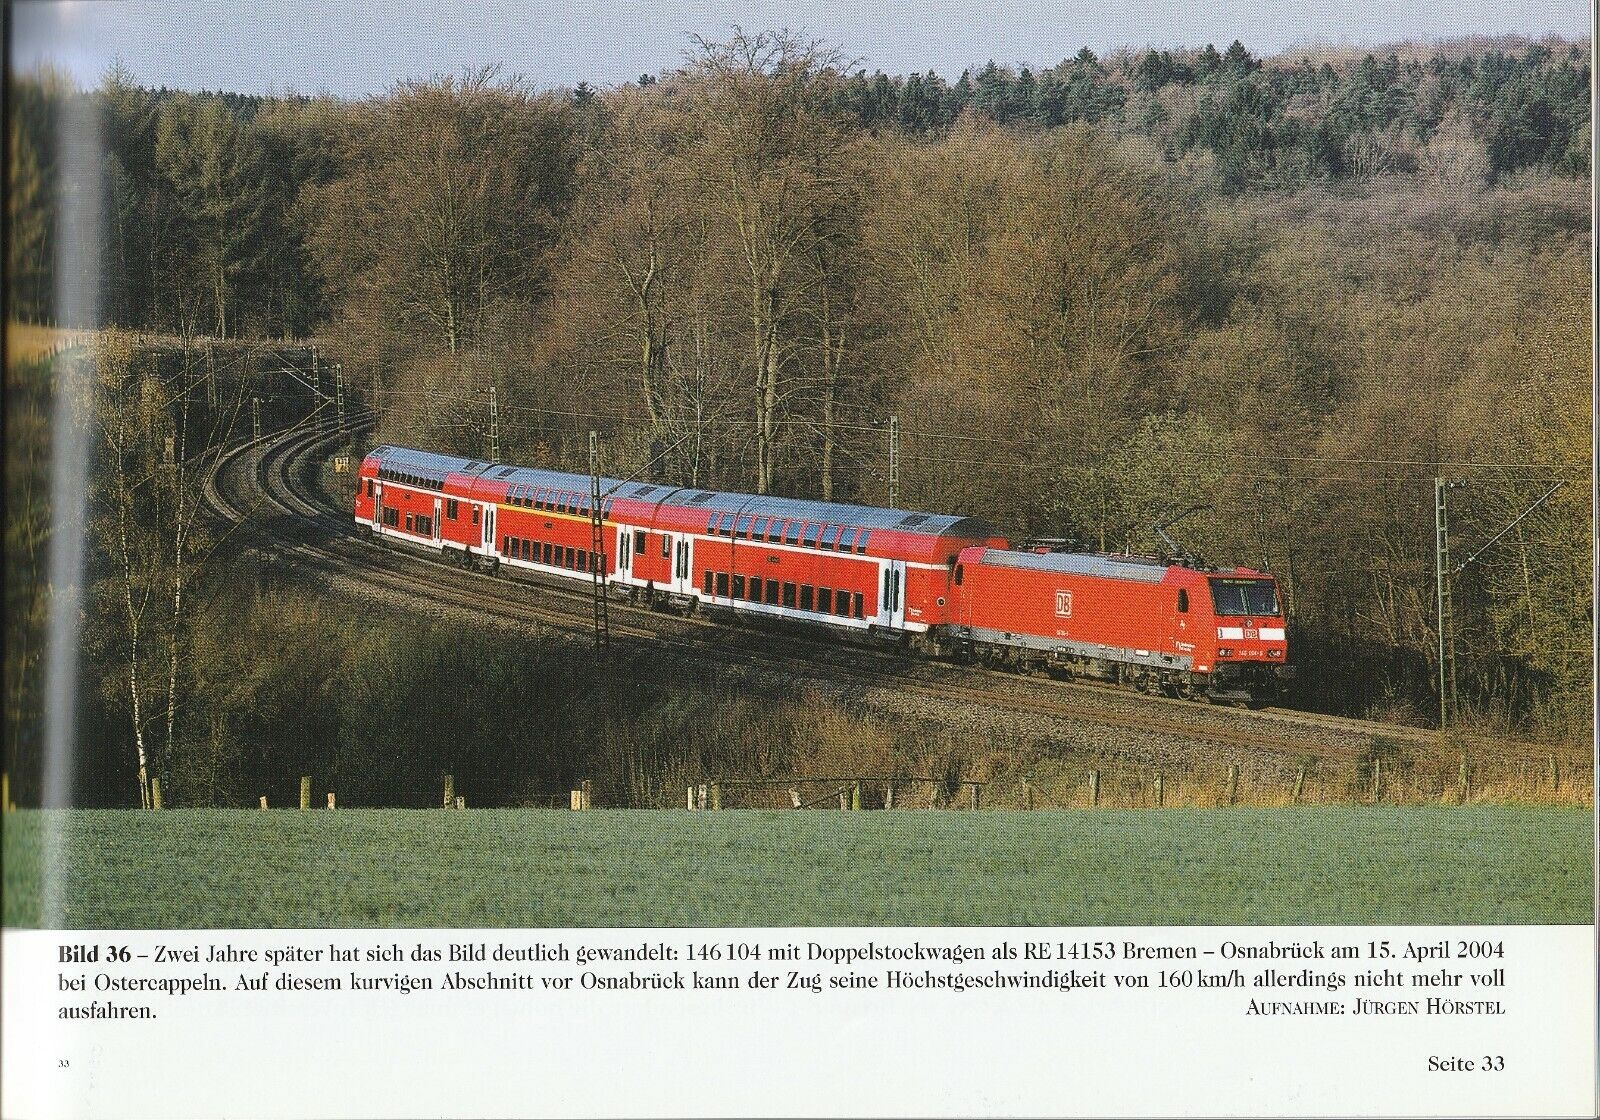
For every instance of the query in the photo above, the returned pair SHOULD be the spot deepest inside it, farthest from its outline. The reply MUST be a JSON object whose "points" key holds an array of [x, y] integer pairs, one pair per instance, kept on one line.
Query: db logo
{"points": [[1063, 604], [1251, 634]]}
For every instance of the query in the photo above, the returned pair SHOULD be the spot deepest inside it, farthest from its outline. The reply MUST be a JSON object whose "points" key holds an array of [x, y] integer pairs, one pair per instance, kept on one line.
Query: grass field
{"points": [[1350, 864]]}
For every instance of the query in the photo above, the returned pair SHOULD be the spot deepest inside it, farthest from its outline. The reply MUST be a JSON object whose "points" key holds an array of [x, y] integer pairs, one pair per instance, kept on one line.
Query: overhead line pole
{"points": [[597, 553], [494, 426], [894, 462], [1441, 547]]}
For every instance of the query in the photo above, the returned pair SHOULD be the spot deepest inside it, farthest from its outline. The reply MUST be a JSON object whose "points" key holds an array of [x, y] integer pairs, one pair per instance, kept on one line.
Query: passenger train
{"points": [[939, 584]]}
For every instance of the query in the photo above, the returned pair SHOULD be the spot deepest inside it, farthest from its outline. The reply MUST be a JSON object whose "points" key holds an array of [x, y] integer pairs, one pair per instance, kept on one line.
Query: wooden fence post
{"points": [[1027, 794], [1299, 784], [449, 790], [716, 795], [1555, 776], [794, 798], [1233, 784], [263, 801], [855, 796], [155, 793], [1377, 779], [587, 793], [975, 791], [1464, 779], [844, 801], [700, 796], [688, 798], [305, 792], [888, 796], [5, 793], [1161, 793], [461, 801], [1094, 789], [331, 802]]}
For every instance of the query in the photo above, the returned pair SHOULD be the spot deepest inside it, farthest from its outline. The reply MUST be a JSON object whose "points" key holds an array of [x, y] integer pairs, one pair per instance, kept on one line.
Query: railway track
{"points": [[264, 490]]}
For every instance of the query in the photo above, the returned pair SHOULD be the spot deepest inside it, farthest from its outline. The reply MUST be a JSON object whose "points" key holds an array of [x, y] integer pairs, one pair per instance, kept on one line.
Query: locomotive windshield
{"points": [[1244, 596]]}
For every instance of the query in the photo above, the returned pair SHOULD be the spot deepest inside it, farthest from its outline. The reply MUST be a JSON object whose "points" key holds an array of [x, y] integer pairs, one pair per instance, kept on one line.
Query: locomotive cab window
{"points": [[1183, 603], [1244, 596], [1183, 600]]}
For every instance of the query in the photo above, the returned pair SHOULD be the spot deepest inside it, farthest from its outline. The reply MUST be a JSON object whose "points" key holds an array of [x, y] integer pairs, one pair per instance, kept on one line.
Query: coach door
{"points": [[894, 593], [438, 529], [377, 507], [675, 551]]}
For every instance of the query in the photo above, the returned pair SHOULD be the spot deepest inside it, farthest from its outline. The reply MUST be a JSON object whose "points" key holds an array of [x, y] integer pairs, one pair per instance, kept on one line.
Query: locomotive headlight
{"points": [[1274, 653], [1224, 651]]}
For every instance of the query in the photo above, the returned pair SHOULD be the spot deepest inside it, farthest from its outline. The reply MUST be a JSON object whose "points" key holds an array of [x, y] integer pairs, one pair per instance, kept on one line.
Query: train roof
{"points": [[1079, 563], [693, 501]]}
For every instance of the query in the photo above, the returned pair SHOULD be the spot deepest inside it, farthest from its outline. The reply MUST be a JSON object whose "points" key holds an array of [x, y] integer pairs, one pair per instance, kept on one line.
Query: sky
{"points": [[358, 49]]}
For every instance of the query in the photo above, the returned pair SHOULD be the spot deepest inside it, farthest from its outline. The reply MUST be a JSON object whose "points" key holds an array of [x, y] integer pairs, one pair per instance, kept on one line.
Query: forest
{"points": [[1282, 293]]}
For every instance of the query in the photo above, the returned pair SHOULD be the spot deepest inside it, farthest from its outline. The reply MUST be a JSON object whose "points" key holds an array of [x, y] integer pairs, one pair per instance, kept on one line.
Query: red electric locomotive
{"points": [[938, 583], [1146, 622]]}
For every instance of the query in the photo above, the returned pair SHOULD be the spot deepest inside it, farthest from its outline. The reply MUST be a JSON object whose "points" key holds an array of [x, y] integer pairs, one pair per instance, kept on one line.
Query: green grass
{"points": [[1348, 864]]}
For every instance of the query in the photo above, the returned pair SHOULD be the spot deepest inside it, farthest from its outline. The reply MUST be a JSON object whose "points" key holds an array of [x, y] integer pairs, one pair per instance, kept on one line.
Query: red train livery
{"points": [[941, 584]]}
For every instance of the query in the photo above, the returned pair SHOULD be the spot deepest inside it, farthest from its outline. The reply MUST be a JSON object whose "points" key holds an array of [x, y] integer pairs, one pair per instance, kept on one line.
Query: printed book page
{"points": [[726, 560]]}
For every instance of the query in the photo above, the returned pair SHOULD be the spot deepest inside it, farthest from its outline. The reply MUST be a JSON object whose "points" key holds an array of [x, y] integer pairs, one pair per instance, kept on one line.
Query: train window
{"points": [[707, 583], [758, 531], [807, 592], [391, 516], [788, 594], [369, 487], [722, 585], [791, 534], [1183, 600], [772, 592], [408, 522], [861, 541], [738, 587], [549, 553], [847, 539], [527, 550], [452, 508], [841, 603], [830, 536], [812, 529], [475, 515], [583, 559], [638, 541], [857, 611], [960, 573], [825, 600], [755, 589], [666, 546], [711, 523], [741, 529]]}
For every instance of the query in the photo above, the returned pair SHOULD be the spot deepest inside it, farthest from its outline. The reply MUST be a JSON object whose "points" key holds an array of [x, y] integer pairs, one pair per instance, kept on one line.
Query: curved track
{"points": [[264, 489]]}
